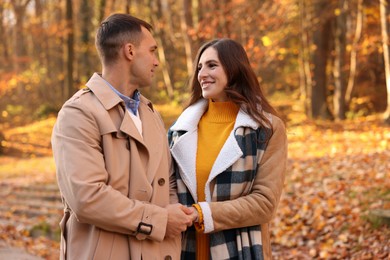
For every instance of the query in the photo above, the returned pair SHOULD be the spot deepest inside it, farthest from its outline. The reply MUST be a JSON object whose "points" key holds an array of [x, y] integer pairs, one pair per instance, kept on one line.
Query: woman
{"points": [[230, 151]]}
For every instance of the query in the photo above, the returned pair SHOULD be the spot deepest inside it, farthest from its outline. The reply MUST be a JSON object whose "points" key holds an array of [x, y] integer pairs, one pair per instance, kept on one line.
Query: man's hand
{"points": [[179, 218]]}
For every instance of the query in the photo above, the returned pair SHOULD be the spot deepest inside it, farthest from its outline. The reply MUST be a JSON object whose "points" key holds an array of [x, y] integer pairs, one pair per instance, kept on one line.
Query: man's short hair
{"points": [[116, 30]]}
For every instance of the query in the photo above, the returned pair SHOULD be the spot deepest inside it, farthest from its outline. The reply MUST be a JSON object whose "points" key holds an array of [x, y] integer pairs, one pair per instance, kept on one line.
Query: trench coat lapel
{"points": [[128, 127], [110, 99], [152, 137], [151, 140]]}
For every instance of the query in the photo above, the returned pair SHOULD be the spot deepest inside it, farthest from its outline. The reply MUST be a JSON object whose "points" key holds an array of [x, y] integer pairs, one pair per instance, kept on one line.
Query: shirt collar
{"points": [[131, 104]]}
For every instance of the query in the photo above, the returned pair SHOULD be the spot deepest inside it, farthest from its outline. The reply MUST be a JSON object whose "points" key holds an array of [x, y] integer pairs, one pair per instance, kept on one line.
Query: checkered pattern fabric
{"points": [[237, 180]]}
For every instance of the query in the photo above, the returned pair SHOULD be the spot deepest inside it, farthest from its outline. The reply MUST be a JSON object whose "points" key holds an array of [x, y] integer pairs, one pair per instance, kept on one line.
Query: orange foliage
{"points": [[7, 82], [337, 173]]}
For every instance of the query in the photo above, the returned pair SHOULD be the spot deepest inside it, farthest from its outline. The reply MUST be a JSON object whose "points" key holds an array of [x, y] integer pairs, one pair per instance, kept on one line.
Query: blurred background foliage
{"points": [[323, 63], [323, 58]]}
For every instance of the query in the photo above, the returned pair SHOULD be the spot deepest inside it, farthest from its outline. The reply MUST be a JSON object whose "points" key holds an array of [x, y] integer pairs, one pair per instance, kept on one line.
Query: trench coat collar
{"points": [[109, 99]]}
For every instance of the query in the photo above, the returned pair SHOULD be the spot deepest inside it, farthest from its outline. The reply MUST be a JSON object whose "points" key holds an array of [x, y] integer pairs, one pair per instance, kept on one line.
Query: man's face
{"points": [[145, 60]]}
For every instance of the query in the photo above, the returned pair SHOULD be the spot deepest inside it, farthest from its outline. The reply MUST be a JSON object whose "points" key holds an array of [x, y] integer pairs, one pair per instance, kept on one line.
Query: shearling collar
{"points": [[190, 118], [184, 149]]}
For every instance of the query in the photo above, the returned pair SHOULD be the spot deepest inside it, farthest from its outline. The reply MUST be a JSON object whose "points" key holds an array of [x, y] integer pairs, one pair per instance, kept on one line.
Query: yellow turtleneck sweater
{"points": [[213, 129]]}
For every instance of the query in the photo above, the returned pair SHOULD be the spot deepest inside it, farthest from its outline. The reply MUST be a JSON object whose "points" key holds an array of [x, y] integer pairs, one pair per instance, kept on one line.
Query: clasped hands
{"points": [[180, 218]]}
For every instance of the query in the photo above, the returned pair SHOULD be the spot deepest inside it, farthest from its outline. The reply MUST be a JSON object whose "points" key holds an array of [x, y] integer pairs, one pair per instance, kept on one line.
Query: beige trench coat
{"points": [[112, 180]]}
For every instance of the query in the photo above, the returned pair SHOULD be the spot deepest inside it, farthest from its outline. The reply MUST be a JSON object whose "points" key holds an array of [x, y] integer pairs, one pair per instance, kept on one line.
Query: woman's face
{"points": [[211, 76]]}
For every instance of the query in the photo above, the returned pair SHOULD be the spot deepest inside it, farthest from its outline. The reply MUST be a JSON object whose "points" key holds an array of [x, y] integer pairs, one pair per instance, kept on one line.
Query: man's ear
{"points": [[128, 51]]}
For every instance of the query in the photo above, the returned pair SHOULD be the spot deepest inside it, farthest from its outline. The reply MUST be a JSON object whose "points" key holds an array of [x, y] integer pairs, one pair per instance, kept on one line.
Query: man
{"points": [[112, 157]]}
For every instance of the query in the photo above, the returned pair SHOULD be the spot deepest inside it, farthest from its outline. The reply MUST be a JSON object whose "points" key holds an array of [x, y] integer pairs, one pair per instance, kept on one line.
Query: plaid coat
{"points": [[243, 188]]}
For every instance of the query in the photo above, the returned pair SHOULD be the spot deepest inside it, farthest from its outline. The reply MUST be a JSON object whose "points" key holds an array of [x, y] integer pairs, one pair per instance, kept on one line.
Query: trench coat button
{"points": [[168, 257], [161, 181]]}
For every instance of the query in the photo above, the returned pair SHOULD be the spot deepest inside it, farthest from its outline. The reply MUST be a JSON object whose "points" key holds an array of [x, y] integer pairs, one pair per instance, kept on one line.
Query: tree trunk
{"points": [[128, 7], [185, 24], [200, 10], [227, 18], [156, 15], [304, 58], [385, 41], [5, 59], [197, 17], [56, 57], [217, 6], [353, 57], [319, 107], [38, 30], [69, 50], [40, 44], [101, 7], [21, 56], [84, 63], [339, 61]]}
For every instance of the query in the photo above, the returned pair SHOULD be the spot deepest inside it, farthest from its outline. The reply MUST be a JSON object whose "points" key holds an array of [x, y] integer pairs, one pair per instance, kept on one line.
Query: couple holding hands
{"points": [[208, 191]]}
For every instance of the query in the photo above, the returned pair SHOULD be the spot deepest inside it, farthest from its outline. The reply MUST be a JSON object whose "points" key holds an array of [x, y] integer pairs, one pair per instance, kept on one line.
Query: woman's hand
{"points": [[194, 215]]}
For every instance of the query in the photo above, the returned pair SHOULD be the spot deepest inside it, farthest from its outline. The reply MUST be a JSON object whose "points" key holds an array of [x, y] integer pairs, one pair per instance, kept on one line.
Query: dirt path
{"points": [[29, 217], [16, 254]]}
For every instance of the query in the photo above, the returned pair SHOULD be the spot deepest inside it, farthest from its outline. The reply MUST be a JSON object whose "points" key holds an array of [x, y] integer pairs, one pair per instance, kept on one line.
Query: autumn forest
{"points": [[323, 63]]}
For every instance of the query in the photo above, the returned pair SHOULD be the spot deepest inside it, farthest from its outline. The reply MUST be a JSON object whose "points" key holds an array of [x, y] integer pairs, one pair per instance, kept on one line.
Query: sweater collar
{"points": [[221, 112]]}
